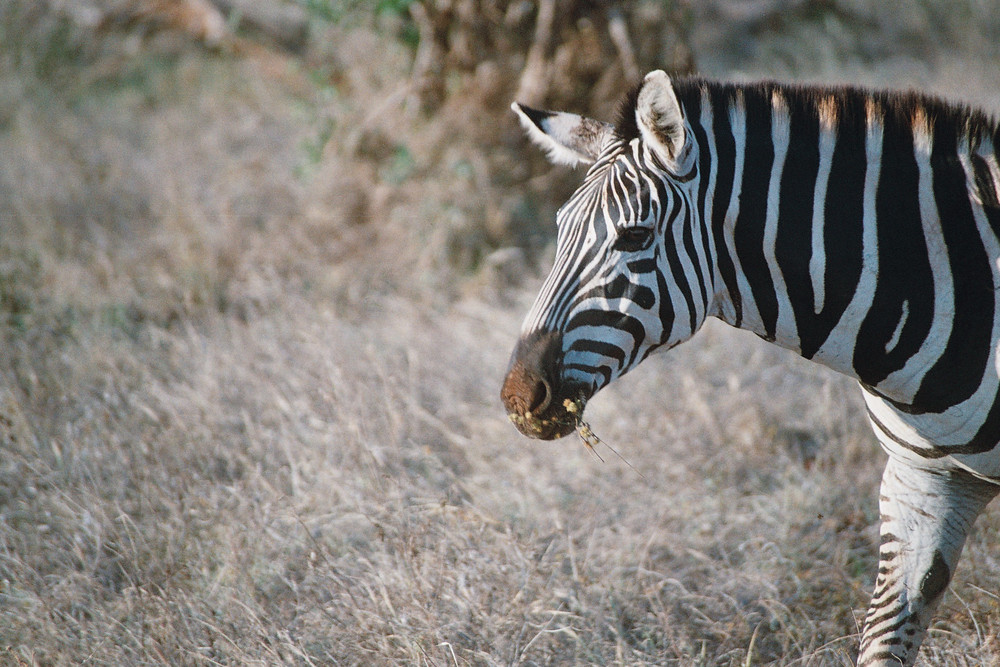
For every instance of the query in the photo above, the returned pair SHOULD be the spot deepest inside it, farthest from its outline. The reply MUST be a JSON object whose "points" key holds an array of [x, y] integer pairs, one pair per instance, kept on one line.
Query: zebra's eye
{"points": [[633, 239]]}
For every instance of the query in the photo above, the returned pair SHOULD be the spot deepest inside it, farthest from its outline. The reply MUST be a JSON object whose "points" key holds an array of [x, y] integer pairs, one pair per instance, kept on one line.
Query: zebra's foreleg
{"points": [[926, 516]]}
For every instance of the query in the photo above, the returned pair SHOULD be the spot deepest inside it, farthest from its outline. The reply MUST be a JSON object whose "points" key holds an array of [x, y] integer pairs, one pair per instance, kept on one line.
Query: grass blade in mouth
{"points": [[590, 440]]}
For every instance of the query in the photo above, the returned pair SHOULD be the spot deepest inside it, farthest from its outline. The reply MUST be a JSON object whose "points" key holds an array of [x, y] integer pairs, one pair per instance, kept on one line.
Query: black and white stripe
{"points": [[859, 228]]}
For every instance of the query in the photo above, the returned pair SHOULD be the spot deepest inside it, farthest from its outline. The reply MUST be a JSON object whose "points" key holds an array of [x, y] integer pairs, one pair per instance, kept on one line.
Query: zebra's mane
{"points": [[898, 108], [626, 126]]}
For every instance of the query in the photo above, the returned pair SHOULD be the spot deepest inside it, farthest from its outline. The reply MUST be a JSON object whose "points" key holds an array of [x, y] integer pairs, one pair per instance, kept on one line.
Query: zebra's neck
{"points": [[824, 203]]}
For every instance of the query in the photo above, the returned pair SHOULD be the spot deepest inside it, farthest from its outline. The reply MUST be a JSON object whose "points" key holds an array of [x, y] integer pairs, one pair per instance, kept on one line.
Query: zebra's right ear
{"points": [[566, 137], [659, 116]]}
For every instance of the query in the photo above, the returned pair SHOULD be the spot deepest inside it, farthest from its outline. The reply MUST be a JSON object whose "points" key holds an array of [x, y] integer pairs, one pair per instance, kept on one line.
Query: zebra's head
{"points": [[627, 278]]}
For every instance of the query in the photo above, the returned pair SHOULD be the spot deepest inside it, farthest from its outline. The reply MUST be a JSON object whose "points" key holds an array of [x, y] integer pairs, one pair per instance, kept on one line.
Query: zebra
{"points": [[859, 228]]}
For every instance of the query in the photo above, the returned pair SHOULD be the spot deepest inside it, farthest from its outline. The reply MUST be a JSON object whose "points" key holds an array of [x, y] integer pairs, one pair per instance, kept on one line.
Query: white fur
{"points": [[659, 116], [560, 136]]}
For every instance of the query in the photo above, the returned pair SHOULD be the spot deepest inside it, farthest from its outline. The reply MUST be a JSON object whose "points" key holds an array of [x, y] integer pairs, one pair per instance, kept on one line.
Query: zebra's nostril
{"points": [[541, 396], [525, 391]]}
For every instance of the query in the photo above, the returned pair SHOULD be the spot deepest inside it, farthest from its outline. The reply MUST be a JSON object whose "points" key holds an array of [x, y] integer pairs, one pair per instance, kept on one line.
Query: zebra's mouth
{"points": [[558, 419]]}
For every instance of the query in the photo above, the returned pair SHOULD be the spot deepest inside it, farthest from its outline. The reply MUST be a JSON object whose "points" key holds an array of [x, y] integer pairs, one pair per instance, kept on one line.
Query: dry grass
{"points": [[249, 368]]}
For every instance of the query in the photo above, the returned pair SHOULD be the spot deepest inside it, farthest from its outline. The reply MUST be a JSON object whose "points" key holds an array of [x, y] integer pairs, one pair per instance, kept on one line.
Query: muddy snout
{"points": [[538, 403]]}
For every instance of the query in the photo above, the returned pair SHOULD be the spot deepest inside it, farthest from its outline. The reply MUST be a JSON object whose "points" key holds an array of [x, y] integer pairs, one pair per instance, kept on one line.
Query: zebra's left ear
{"points": [[659, 116], [566, 137]]}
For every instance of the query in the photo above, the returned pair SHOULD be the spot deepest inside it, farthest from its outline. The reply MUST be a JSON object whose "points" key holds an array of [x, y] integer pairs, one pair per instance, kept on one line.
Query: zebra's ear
{"points": [[566, 137], [659, 116]]}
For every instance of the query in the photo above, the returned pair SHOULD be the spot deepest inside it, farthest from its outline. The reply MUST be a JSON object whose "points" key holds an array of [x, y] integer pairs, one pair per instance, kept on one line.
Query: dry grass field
{"points": [[255, 308]]}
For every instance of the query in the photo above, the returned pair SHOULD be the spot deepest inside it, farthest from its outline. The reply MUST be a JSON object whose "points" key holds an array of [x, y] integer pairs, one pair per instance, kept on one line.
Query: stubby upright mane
{"points": [[895, 107]]}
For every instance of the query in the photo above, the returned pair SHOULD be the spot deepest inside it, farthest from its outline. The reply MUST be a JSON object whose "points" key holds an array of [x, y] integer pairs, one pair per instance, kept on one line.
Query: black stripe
{"points": [[644, 265], [748, 233], [603, 371], [906, 408], [579, 213], [932, 453], [892, 627], [793, 243], [904, 271], [984, 182], [843, 221], [667, 313], [987, 436], [993, 211], [621, 288], [887, 538], [610, 320], [725, 152], [692, 253], [601, 348], [956, 374], [881, 657], [985, 439], [665, 192], [562, 291], [692, 108], [883, 609], [677, 267]]}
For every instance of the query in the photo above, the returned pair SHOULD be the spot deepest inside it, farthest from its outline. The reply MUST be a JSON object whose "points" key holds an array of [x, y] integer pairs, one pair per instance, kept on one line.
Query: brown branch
{"points": [[618, 30], [286, 24], [428, 63], [535, 77]]}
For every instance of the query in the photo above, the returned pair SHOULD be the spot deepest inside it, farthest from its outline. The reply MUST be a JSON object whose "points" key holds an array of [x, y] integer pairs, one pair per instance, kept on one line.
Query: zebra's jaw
{"points": [[538, 400]]}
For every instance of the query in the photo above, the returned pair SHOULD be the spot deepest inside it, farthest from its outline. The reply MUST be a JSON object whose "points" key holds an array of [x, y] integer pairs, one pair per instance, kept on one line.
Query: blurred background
{"points": [[261, 266]]}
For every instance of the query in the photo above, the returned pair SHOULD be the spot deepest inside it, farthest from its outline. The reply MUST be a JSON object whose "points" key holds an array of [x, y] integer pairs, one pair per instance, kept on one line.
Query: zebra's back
{"points": [[861, 229]]}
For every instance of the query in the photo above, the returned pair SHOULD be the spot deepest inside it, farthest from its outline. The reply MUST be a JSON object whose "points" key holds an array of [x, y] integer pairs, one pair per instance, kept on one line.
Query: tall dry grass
{"points": [[254, 324]]}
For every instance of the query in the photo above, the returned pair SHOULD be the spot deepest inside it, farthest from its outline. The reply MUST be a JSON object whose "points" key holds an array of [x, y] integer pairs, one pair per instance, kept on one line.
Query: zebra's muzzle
{"points": [[538, 403]]}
